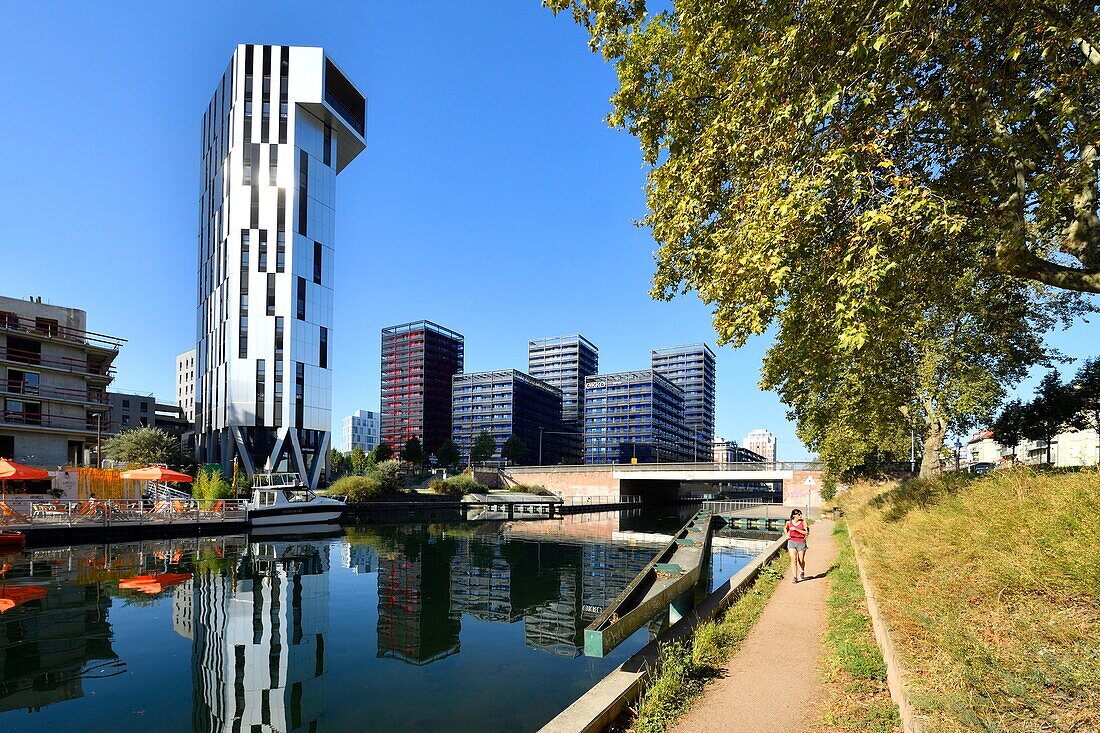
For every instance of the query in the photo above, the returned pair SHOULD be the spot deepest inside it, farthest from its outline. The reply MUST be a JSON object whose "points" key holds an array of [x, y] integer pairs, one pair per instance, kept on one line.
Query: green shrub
{"points": [[460, 485], [529, 489], [209, 486], [389, 476], [828, 491], [357, 488]]}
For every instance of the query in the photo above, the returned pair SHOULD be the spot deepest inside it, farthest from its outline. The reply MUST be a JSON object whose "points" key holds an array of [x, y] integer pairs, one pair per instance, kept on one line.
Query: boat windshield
{"points": [[299, 496]]}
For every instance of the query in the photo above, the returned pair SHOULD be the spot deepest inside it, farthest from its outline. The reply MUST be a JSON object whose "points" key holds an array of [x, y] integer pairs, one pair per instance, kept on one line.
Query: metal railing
{"points": [[121, 512], [603, 499], [673, 466]]}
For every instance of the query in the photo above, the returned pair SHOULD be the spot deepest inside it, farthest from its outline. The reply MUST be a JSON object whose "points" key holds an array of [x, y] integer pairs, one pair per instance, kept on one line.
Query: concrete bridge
{"points": [[799, 482]]}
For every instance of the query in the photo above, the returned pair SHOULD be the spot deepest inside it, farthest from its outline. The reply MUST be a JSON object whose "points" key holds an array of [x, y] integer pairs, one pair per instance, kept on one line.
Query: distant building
{"points": [[762, 442], [54, 375], [1068, 449], [129, 410], [185, 384], [508, 403], [692, 368], [727, 451], [418, 361], [635, 415], [361, 429]]}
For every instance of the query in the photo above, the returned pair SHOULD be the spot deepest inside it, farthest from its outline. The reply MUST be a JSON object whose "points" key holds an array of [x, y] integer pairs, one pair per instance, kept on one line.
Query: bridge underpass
{"points": [[801, 482]]}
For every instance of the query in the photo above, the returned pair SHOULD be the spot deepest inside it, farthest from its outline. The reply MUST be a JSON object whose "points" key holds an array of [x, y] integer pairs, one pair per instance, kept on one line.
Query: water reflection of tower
{"points": [[415, 621], [259, 640], [358, 558]]}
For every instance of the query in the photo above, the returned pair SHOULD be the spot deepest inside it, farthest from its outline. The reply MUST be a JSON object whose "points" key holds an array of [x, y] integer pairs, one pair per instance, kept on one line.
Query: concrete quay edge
{"points": [[595, 710], [895, 674]]}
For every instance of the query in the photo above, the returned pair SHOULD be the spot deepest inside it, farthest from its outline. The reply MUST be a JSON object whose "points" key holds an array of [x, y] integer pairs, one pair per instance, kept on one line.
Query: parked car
{"points": [[982, 467]]}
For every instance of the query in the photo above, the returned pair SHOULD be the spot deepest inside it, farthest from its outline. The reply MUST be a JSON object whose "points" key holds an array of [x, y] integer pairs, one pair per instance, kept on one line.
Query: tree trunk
{"points": [[930, 465]]}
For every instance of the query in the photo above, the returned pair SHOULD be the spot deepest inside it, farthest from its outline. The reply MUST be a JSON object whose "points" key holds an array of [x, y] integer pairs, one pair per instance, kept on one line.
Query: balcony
{"points": [[48, 421], [48, 329], [83, 367]]}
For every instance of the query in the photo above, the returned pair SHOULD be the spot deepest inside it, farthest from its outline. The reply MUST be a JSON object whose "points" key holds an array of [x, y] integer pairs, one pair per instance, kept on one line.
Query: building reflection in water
{"points": [[48, 647], [258, 632], [428, 580]]}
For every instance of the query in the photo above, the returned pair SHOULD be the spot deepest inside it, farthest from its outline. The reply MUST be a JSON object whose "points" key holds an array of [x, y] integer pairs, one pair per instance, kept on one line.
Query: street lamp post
{"points": [[99, 440], [958, 451], [543, 431]]}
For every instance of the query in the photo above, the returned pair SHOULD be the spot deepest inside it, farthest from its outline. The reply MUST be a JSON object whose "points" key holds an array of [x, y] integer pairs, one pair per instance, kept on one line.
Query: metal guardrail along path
{"points": [[666, 580]]}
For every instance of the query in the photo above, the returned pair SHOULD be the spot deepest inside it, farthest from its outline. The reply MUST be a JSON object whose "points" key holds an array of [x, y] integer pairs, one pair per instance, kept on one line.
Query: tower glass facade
{"points": [[634, 415], [418, 361], [282, 123], [692, 369], [508, 403], [565, 361]]}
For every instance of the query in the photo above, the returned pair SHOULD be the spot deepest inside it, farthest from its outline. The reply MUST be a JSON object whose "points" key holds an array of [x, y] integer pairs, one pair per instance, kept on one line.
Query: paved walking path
{"points": [[772, 684]]}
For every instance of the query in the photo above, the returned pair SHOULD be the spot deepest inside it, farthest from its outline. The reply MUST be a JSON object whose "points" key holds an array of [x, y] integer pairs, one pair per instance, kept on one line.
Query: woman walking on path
{"points": [[797, 530]]}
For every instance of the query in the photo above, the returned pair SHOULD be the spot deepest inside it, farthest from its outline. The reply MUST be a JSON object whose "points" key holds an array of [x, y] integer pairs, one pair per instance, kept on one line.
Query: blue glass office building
{"points": [[692, 369], [565, 362], [635, 415], [504, 403]]}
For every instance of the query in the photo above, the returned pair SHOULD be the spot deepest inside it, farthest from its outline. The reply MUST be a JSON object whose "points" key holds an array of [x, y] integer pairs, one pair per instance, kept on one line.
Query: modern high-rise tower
{"points": [[284, 120], [692, 369], [418, 361], [564, 362]]}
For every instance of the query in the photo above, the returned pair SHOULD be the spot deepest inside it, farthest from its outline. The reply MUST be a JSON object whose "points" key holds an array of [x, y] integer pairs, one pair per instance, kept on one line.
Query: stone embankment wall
{"points": [[569, 484]]}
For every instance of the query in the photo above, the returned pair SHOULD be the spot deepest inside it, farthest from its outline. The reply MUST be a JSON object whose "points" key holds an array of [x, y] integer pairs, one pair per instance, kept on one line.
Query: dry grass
{"points": [[991, 588]]}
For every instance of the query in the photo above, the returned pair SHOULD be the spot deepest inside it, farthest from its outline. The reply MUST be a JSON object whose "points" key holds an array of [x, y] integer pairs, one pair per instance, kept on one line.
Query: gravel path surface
{"points": [[772, 684]]}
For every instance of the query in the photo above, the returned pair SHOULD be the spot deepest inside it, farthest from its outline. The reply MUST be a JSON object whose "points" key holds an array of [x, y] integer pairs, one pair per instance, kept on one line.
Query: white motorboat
{"points": [[282, 499]]}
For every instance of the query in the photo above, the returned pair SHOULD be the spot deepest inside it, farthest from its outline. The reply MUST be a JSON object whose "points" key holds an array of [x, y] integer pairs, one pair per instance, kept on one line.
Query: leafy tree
{"points": [[483, 449], [1048, 413], [358, 460], [862, 187], [144, 446], [447, 455], [413, 452], [513, 449], [1086, 389], [381, 452], [760, 120], [1008, 428], [336, 461]]}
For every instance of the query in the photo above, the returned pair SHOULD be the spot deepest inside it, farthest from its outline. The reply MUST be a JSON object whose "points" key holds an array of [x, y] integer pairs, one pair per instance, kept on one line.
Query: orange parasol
{"points": [[156, 473], [12, 471], [153, 584], [16, 595]]}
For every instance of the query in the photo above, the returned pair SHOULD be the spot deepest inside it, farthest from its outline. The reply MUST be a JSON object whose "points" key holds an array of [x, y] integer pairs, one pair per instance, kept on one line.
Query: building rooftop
{"points": [[414, 326], [557, 340]]}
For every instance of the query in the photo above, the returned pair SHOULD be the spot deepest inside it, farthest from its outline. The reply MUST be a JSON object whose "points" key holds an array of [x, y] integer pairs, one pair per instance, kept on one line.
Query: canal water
{"points": [[456, 627]]}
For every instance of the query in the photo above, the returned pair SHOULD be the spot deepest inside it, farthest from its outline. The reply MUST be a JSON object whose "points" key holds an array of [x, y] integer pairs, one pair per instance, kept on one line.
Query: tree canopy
{"points": [[145, 446], [413, 452], [483, 448], [447, 455], [904, 193], [513, 449]]}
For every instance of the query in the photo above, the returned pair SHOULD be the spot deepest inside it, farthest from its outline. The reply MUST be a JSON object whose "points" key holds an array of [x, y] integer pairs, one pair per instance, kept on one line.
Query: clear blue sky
{"points": [[492, 198]]}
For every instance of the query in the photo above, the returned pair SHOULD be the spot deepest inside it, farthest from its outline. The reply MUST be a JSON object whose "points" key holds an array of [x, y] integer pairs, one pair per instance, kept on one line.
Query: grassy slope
{"points": [[857, 697], [991, 588]]}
